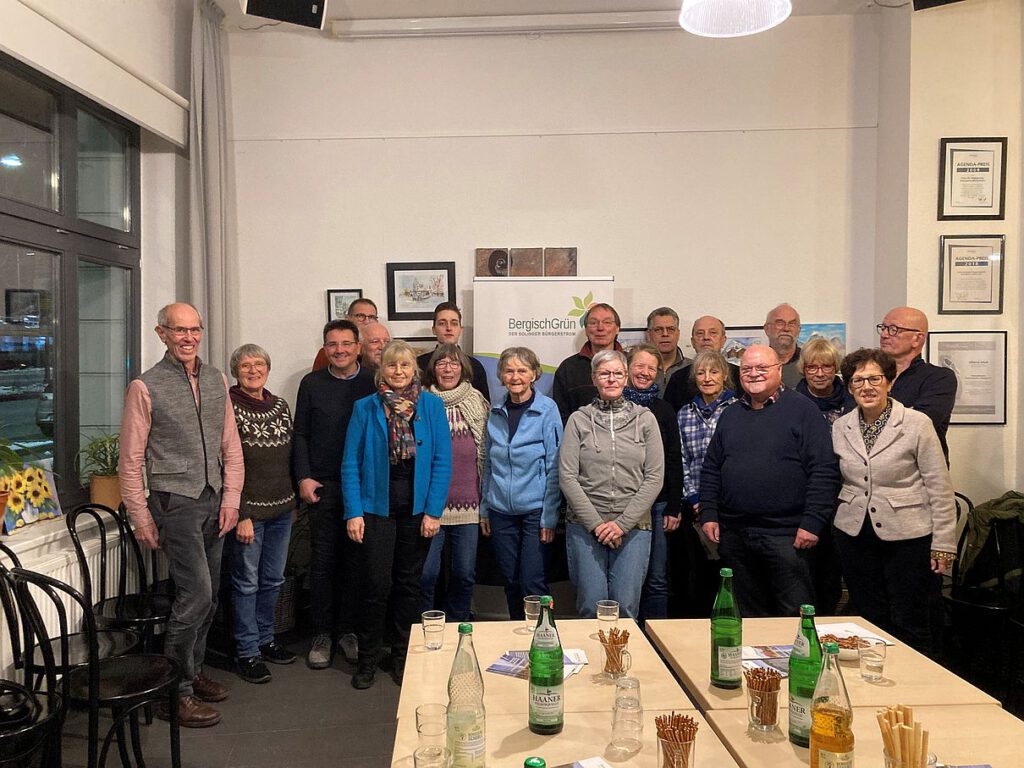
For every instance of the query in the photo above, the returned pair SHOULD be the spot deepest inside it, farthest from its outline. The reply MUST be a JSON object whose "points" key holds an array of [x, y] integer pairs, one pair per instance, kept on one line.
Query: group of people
{"points": [[793, 466]]}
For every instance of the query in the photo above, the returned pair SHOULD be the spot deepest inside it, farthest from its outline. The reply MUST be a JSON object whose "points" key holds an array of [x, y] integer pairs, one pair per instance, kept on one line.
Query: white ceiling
{"points": [[400, 9]]}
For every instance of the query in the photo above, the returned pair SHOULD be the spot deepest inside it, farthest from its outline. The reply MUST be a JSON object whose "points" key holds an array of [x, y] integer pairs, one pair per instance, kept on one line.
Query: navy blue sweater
{"points": [[771, 470]]}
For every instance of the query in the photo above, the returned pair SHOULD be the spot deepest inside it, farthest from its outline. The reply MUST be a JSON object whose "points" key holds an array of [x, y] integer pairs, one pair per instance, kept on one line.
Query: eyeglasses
{"points": [[259, 365], [786, 324], [447, 364], [363, 317], [611, 375], [859, 381], [894, 330], [750, 370], [342, 344], [595, 323], [179, 331], [819, 369]]}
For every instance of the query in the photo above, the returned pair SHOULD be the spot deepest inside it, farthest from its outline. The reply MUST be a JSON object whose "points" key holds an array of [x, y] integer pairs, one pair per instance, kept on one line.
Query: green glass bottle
{"points": [[467, 719], [804, 668], [547, 671], [535, 762], [726, 637]]}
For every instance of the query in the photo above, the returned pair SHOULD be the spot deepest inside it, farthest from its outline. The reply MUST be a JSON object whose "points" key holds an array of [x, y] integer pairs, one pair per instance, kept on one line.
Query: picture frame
{"points": [[971, 270], [972, 178], [978, 358], [339, 300], [415, 288], [630, 337], [739, 337]]}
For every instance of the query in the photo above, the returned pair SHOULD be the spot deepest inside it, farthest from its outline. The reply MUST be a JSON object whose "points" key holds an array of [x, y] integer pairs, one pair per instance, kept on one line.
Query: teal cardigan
{"points": [[365, 470]]}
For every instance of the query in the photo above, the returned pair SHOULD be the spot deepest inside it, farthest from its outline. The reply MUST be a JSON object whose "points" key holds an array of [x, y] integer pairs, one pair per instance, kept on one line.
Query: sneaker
{"points": [[398, 669], [349, 646], [253, 670], [275, 654], [320, 652], [363, 678]]}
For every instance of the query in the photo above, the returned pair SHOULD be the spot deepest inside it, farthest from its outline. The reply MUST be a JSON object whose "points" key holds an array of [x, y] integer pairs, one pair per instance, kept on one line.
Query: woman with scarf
{"points": [[394, 480], [260, 546], [611, 469], [644, 362], [451, 375], [698, 420], [819, 365]]}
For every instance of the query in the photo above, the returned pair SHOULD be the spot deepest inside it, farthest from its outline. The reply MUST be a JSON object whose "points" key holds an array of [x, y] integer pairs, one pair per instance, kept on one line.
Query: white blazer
{"points": [[903, 486]]}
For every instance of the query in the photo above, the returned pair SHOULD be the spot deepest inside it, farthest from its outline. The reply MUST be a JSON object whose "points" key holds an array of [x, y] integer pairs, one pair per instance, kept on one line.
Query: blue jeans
{"points": [[602, 573], [521, 557], [257, 573], [654, 598], [770, 576], [462, 540]]}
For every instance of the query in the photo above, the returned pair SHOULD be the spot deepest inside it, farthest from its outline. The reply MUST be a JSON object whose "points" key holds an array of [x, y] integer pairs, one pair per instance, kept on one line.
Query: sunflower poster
{"points": [[30, 498]]}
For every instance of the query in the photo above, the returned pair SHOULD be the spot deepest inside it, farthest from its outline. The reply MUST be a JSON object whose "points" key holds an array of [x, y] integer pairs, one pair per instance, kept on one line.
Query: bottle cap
{"points": [[546, 600], [831, 647], [465, 629], [534, 762], [725, 572], [806, 610]]}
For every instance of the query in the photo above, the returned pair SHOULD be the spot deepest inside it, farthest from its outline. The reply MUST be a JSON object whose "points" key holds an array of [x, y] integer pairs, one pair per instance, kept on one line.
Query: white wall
{"points": [[715, 176]]}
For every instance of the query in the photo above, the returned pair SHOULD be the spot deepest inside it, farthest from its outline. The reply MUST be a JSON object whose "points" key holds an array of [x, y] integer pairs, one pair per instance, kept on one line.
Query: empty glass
{"points": [[627, 715], [432, 757], [531, 607], [871, 651], [432, 734], [433, 630], [607, 615], [431, 713]]}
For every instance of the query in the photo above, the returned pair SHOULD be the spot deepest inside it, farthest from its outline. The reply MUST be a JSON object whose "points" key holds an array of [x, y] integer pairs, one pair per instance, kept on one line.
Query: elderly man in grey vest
{"points": [[179, 440]]}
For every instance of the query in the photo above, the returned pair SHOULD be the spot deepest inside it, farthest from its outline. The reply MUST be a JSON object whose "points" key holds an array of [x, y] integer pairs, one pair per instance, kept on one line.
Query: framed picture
{"points": [[972, 178], [420, 344], [31, 497], [630, 337], [23, 306], [978, 358], [492, 262], [971, 274], [415, 288], [739, 337], [339, 300]]}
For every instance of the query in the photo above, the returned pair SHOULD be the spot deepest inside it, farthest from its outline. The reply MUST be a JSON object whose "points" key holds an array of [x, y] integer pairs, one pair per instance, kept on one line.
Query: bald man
{"points": [[707, 333], [782, 327], [922, 386], [373, 337]]}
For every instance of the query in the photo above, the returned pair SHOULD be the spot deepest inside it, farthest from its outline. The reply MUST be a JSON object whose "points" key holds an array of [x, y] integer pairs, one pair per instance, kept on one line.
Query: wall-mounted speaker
{"points": [[920, 5], [308, 13]]}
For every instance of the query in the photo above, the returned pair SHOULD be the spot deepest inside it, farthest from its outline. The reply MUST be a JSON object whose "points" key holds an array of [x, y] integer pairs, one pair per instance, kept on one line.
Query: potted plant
{"points": [[98, 462]]}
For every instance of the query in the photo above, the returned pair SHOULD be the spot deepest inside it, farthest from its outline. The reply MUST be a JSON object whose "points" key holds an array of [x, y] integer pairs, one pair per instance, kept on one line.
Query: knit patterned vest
{"points": [[267, 448]]}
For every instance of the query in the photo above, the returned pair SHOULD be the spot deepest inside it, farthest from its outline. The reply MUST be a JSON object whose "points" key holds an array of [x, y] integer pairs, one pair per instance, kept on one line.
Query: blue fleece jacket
{"points": [[521, 475], [365, 470]]}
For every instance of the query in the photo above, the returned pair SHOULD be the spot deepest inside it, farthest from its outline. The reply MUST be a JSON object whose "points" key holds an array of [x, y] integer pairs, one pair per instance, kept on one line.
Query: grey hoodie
{"points": [[611, 465]]}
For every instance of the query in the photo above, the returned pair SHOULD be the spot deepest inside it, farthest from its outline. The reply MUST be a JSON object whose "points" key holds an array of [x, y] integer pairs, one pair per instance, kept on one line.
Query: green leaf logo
{"points": [[582, 305]]}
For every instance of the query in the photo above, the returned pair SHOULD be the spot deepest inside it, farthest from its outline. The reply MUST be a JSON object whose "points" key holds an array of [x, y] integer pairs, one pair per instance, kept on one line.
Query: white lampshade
{"points": [[732, 18]]}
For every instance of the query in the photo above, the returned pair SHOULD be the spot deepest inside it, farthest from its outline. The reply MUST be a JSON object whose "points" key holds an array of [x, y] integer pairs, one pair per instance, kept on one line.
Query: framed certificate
{"points": [[971, 274], [972, 178], [978, 358]]}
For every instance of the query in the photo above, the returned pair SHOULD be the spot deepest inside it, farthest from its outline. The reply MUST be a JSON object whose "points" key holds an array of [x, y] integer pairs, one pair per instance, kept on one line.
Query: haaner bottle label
{"points": [[545, 704], [545, 637], [801, 646], [828, 759], [799, 715], [730, 662], [468, 747]]}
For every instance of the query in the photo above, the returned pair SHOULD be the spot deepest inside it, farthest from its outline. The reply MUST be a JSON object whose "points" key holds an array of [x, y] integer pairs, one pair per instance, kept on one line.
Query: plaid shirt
{"points": [[697, 423], [745, 398]]}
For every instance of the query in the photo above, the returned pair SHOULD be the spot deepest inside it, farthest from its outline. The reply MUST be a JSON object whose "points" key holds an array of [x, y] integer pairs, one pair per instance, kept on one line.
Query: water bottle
{"points": [[547, 670], [466, 715], [726, 637], [804, 668]]}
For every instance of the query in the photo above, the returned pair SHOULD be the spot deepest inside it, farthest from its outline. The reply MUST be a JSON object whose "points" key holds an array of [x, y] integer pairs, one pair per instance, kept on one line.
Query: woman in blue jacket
{"points": [[394, 480], [519, 508]]}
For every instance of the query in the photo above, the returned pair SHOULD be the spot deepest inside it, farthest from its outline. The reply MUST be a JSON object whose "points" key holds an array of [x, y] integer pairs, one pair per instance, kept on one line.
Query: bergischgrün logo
{"points": [[582, 305]]}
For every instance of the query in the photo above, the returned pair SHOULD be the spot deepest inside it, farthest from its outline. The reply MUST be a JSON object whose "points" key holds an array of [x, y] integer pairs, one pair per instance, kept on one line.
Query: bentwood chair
{"points": [[30, 727], [121, 684]]}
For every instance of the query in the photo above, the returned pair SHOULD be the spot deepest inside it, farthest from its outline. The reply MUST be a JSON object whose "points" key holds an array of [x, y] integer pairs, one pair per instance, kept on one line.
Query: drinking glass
{"points": [[607, 615], [433, 630], [531, 607], [871, 651], [627, 715], [762, 709], [431, 713], [675, 754], [617, 661], [432, 734], [892, 762], [432, 757]]}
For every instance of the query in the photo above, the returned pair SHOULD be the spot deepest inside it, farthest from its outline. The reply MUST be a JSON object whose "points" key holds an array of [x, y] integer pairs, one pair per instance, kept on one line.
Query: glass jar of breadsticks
{"points": [[677, 735], [763, 686], [617, 660], [904, 741]]}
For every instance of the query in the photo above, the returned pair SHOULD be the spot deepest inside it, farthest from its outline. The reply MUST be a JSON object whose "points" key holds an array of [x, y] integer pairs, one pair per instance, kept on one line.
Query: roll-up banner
{"points": [[542, 313]]}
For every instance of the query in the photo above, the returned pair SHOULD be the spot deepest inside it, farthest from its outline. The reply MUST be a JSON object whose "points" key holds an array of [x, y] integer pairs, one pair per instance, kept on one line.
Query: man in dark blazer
{"points": [[922, 386]]}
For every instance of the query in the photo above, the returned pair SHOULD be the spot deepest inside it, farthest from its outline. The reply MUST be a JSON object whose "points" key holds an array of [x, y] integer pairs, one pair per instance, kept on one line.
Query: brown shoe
{"points": [[205, 689], [192, 713]]}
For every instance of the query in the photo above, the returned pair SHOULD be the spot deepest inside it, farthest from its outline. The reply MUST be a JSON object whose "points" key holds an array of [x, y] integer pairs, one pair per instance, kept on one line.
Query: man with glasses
{"points": [[663, 332], [447, 328], [362, 312], [178, 434], [573, 386], [782, 327], [373, 338], [707, 333], [922, 386], [323, 408], [768, 489]]}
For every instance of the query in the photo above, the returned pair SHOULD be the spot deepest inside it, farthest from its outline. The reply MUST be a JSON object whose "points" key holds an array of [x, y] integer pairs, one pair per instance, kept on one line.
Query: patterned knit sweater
{"points": [[467, 412], [265, 429]]}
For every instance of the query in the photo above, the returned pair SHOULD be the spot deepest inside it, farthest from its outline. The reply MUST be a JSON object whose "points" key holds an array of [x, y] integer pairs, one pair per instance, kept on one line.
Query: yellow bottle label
{"points": [[828, 759]]}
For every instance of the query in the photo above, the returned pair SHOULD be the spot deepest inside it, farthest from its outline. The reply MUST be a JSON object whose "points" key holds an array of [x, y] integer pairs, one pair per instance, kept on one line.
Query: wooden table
{"points": [[426, 672], [586, 734], [910, 677], [957, 735]]}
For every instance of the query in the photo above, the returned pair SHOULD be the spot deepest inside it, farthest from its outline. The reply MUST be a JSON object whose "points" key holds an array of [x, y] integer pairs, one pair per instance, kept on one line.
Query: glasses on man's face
{"points": [[894, 330], [611, 375], [760, 370], [363, 317], [179, 331], [340, 344], [859, 381], [782, 324], [602, 323], [448, 364], [819, 369]]}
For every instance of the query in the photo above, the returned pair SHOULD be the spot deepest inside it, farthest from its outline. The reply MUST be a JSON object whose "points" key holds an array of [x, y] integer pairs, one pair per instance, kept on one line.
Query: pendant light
{"points": [[732, 18]]}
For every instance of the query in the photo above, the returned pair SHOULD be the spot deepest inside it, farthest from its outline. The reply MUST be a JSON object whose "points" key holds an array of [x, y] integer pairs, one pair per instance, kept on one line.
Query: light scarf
{"points": [[474, 410]]}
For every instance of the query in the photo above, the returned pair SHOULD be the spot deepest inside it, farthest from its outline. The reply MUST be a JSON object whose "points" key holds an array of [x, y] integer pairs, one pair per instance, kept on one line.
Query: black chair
{"points": [[112, 642], [122, 684], [30, 726]]}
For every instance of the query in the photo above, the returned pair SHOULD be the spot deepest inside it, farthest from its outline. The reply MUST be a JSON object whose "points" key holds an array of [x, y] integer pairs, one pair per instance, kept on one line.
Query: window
{"points": [[69, 269]]}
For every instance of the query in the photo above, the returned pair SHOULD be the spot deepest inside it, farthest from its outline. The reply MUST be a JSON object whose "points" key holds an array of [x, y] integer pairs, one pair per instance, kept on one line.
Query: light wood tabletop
{"points": [[426, 672], [957, 735], [586, 734], [909, 677]]}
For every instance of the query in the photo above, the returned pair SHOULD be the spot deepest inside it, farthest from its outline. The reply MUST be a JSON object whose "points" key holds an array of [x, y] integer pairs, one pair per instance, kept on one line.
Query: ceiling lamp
{"points": [[732, 18]]}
